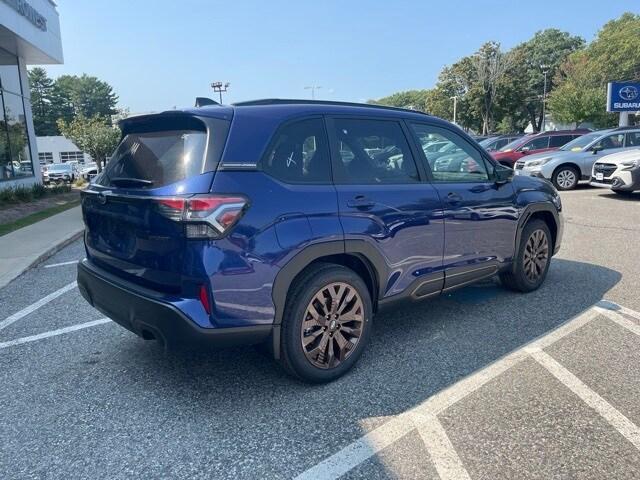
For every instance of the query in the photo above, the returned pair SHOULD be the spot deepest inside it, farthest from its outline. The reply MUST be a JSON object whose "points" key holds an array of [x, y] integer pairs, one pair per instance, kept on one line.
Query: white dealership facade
{"points": [[29, 35]]}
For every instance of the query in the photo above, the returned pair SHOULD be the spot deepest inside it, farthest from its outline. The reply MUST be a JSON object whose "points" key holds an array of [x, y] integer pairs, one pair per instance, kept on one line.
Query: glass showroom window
{"points": [[15, 154]]}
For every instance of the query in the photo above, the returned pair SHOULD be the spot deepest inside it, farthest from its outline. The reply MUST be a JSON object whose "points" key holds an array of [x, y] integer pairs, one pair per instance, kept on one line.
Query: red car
{"points": [[536, 143]]}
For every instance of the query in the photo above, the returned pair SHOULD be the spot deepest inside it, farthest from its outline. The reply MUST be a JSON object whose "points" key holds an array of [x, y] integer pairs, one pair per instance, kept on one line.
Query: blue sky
{"points": [[163, 53]]}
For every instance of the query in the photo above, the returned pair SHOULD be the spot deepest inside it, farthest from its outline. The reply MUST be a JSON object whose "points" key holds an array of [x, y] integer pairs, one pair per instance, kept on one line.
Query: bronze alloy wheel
{"points": [[332, 325], [536, 255]]}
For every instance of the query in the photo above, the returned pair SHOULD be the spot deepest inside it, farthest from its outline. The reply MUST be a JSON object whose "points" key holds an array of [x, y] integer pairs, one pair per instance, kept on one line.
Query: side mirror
{"points": [[595, 150], [502, 174], [525, 150]]}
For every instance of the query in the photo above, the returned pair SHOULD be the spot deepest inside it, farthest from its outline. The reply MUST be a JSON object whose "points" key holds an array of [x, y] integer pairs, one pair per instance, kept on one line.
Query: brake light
{"points": [[204, 216]]}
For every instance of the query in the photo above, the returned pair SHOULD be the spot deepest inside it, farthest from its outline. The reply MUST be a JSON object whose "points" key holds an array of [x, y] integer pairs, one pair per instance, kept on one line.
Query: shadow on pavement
{"points": [[239, 396]]}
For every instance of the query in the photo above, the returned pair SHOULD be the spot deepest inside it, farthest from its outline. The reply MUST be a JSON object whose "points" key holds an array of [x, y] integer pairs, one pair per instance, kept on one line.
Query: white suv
{"points": [[619, 171]]}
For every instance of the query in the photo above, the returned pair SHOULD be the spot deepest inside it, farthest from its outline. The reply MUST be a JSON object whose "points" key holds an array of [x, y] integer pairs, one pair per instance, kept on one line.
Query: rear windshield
{"points": [[152, 159]]}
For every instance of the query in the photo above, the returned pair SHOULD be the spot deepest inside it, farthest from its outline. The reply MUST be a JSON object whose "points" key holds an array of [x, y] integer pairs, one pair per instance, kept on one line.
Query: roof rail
{"points": [[285, 101], [628, 127]]}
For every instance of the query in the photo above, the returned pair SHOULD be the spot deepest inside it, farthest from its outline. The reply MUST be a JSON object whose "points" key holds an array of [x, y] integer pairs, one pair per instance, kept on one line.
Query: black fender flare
{"points": [[528, 211], [371, 257]]}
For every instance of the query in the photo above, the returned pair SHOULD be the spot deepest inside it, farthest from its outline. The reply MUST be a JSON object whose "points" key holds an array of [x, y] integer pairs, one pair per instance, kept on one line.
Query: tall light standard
{"points": [[455, 107], [545, 70], [220, 87], [313, 89]]}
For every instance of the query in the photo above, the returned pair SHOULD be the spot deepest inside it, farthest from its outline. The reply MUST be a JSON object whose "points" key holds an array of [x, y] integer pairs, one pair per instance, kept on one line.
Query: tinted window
{"points": [[559, 140], [581, 141], [299, 153], [459, 163], [373, 152], [537, 143], [501, 143], [633, 139], [610, 141]]}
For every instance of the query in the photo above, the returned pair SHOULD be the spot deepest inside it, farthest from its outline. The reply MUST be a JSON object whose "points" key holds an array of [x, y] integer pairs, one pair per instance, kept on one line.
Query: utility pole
{"points": [[220, 87], [545, 70], [455, 107], [313, 89]]}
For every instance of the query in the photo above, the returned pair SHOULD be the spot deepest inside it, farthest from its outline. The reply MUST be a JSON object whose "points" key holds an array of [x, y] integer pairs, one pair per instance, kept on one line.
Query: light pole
{"points": [[545, 70], [455, 107], [220, 87], [313, 89]]}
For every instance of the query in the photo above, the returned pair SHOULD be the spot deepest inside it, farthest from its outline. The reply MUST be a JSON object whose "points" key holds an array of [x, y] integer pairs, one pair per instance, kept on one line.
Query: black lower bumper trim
{"points": [[136, 309]]}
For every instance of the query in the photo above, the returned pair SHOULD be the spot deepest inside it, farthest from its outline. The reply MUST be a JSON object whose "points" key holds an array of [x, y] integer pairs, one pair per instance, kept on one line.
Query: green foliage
{"points": [[68, 97], [582, 78], [94, 136], [29, 193]]}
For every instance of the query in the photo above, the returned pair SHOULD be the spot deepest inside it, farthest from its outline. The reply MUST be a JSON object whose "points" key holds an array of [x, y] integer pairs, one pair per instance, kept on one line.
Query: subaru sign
{"points": [[623, 97]]}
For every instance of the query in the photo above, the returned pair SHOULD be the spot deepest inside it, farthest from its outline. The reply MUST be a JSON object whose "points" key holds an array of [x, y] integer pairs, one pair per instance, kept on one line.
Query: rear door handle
{"points": [[361, 201], [453, 198]]}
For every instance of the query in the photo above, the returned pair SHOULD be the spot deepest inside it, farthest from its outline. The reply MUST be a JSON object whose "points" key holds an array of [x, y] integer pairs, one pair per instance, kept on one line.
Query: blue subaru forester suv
{"points": [[289, 223]]}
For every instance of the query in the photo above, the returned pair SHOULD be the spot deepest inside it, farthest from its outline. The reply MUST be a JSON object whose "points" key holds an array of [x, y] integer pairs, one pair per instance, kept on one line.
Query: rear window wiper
{"points": [[124, 182]]}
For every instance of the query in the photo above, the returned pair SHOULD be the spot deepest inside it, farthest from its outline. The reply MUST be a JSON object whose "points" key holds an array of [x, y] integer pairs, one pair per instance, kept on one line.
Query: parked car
{"points": [[574, 161], [493, 144], [267, 222], [536, 143], [59, 173], [619, 172], [89, 171]]}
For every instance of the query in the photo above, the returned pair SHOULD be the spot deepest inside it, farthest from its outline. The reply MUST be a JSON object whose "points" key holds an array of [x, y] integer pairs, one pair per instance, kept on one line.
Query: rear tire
{"points": [[326, 323], [566, 177], [532, 260]]}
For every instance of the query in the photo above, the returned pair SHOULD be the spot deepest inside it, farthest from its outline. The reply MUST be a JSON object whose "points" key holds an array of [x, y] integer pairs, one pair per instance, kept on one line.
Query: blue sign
{"points": [[623, 96]]}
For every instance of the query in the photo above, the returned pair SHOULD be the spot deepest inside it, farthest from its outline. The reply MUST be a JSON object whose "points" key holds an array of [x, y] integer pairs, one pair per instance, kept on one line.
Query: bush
{"points": [[29, 193], [80, 182]]}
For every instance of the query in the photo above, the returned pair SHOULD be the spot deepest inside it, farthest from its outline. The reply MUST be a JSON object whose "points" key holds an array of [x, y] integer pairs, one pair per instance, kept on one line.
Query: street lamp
{"points": [[455, 107], [313, 89], [220, 87], [545, 70]]}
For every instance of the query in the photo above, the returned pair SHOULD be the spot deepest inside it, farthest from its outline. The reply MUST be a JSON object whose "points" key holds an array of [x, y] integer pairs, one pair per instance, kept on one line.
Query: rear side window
{"points": [[372, 152], [299, 153], [560, 140], [154, 158]]}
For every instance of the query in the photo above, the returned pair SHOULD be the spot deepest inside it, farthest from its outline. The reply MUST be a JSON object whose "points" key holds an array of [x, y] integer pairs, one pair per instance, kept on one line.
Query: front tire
{"points": [[326, 323], [566, 177], [532, 259]]}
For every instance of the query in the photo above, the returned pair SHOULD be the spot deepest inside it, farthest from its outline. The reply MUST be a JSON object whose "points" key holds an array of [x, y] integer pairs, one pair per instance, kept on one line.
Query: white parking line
{"points": [[621, 423], [36, 305], [441, 450], [376, 440], [620, 320], [61, 264], [53, 333]]}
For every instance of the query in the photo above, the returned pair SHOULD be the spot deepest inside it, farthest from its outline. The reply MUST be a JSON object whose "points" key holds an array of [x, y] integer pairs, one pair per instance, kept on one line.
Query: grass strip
{"points": [[35, 217]]}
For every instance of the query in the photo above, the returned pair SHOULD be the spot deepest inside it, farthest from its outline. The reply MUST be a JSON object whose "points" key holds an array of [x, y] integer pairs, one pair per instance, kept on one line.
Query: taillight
{"points": [[204, 216]]}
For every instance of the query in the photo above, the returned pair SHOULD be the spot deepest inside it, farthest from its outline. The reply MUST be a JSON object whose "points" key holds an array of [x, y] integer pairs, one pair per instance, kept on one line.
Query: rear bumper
{"points": [[137, 309]]}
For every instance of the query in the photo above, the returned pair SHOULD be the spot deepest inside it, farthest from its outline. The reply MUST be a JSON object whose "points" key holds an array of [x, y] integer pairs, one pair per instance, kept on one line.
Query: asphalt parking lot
{"points": [[482, 383]]}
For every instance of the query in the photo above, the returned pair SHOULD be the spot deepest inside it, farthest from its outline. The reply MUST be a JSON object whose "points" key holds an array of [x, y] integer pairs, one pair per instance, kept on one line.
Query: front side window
{"points": [[459, 162], [372, 152], [299, 153], [609, 142], [536, 144]]}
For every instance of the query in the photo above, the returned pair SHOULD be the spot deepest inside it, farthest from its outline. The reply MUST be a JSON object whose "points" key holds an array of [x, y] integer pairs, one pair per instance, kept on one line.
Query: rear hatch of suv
{"points": [[134, 210]]}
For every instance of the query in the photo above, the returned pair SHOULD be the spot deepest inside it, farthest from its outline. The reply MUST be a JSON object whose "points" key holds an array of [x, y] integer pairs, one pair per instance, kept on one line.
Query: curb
{"points": [[44, 256]]}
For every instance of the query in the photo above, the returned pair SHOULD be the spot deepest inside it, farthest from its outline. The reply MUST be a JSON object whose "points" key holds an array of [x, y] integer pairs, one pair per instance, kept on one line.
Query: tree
{"points": [[414, 99], [44, 118], [490, 65], [613, 55], [523, 84], [92, 135], [66, 98], [84, 96]]}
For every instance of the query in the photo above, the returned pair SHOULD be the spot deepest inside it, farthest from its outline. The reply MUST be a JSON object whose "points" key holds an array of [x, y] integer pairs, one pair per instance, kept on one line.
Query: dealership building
{"points": [[29, 35]]}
